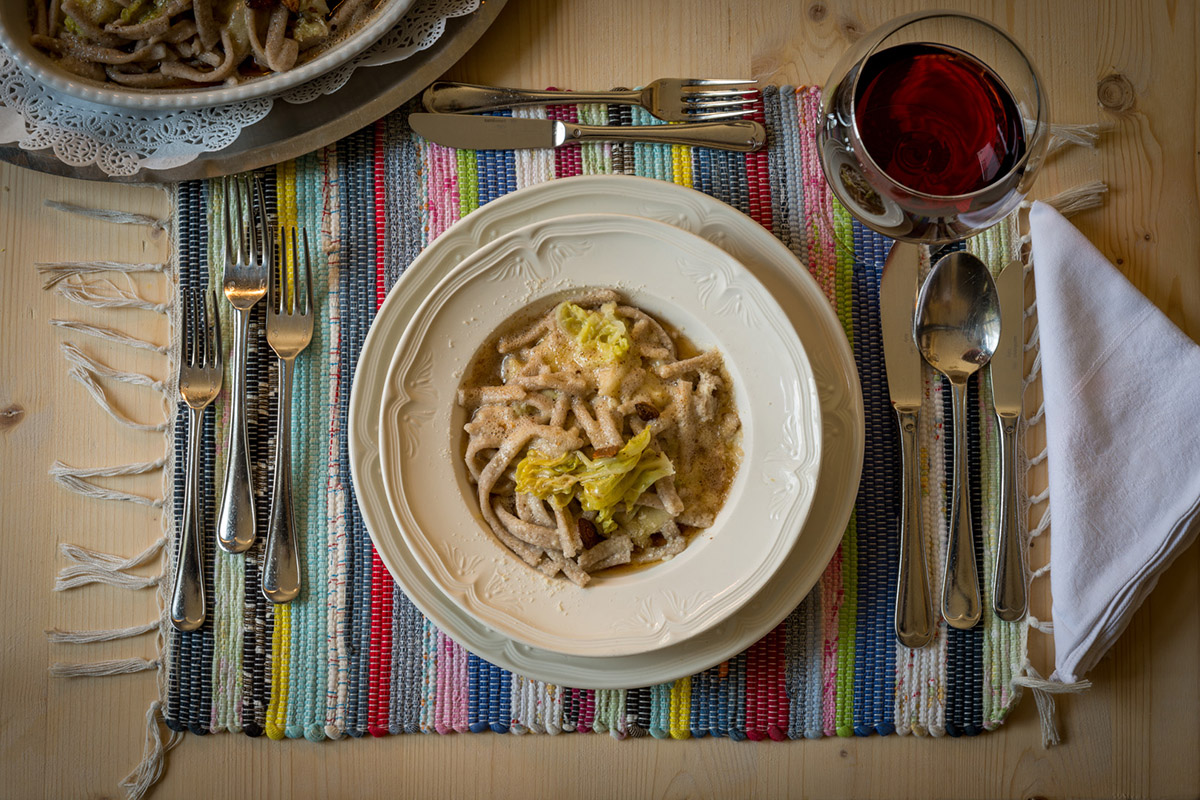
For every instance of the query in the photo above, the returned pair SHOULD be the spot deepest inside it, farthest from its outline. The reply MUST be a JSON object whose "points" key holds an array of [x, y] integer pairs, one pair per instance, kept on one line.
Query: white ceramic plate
{"points": [[694, 287], [15, 33], [824, 342]]}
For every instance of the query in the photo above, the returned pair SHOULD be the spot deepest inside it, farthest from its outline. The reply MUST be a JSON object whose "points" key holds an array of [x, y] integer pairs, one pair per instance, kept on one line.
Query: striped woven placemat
{"points": [[353, 656]]}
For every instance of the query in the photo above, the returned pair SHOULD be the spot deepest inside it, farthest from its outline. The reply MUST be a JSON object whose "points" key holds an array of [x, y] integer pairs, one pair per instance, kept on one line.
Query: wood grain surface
{"points": [[1130, 66]]}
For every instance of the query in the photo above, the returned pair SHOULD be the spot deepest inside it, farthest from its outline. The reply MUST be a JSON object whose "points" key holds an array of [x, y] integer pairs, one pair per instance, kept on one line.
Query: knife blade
{"points": [[472, 132], [913, 622], [1009, 595]]}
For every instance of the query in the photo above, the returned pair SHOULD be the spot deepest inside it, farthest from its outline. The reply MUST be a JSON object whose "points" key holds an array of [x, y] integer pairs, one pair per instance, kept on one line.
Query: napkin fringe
{"points": [[76, 282]]}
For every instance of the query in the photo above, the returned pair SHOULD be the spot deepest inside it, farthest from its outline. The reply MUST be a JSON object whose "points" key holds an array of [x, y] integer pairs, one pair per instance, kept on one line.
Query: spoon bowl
{"points": [[957, 328]]}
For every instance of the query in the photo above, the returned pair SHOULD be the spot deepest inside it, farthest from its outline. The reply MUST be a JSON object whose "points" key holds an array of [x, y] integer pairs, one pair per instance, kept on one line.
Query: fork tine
{"points": [[236, 225], [258, 220], [216, 331], [308, 290], [227, 209], [274, 273], [246, 220], [703, 116], [716, 95], [209, 325], [717, 103], [716, 82], [187, 328]]}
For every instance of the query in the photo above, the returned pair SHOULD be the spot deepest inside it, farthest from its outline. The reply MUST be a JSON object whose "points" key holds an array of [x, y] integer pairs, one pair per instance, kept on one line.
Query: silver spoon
{"points": [[957, 328]]}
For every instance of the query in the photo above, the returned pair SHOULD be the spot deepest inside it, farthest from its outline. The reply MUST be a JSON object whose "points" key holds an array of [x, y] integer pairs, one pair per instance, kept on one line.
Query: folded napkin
{"points": [[1122, 389]]}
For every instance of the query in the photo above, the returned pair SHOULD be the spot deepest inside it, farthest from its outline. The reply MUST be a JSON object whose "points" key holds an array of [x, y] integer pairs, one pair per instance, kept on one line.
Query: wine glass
{"points": [[932, 127]]}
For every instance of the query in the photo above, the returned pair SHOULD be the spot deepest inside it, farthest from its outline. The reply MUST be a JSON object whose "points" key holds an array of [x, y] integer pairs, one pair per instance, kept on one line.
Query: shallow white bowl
{"points": [[693, 286], [15, 32]]}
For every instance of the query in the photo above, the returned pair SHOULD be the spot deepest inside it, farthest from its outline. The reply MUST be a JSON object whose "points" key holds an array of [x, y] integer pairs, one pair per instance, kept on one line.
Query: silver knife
{"points": [[472, 132], [1009, 595], [914, 621]]}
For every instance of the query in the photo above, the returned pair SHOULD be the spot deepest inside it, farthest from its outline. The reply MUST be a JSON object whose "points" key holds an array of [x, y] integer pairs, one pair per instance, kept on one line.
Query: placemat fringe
{"points": [[1066, 134], [94, 669], [106, 294], [57, 271], [109, 215], [58, 636], [109, 335], [90, 566], [74, 479], [154, 752], [1043, 694]]}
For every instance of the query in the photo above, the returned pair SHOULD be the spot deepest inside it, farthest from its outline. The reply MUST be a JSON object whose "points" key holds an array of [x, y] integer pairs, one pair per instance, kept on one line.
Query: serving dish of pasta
{"points": [[171, 54], [531, 487]]}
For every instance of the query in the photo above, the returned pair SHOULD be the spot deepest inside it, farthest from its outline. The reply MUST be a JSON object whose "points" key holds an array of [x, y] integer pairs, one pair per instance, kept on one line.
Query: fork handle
{"points": [[187, 595], [447, 97], [236, 525], [281, 573]]}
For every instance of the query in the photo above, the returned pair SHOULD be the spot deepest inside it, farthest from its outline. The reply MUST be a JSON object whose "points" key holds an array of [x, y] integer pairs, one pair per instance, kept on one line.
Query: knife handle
{"points": [[741, 135], [960, 584], [448, 97], [1009, 594], [914, 609]]}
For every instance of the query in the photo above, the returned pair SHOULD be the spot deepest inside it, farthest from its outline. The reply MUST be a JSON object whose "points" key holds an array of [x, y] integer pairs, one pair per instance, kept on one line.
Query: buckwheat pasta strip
{"points": [[590, 444]]}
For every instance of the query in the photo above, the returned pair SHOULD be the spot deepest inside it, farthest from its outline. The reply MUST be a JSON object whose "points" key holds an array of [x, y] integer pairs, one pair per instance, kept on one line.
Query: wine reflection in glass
{"points": [[932, 129]]}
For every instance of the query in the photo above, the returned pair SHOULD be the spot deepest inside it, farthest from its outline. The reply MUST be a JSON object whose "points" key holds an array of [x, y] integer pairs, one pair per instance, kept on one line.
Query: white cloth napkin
{"points": [[1122, 389]]}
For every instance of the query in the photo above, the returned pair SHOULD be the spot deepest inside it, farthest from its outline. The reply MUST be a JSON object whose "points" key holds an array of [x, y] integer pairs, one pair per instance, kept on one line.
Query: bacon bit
{"points": [[587, 533], [606, 452], [265, 4], [646, 412]]}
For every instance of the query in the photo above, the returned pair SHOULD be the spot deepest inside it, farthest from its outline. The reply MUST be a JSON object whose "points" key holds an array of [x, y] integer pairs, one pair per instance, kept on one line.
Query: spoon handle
{"points": [[960, 586], [914, 607]]}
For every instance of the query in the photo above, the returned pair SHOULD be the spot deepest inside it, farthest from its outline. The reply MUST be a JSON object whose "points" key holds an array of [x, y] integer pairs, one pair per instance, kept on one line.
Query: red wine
{"points": [[937, 120]]}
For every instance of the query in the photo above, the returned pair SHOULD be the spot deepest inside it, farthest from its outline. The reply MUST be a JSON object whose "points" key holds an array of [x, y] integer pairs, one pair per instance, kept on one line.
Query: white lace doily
{"points": [[123, 141]]}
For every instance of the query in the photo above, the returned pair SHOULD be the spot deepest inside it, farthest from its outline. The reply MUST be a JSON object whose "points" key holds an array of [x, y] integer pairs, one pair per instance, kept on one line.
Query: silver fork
{"points": [[200, 376], [670, 99], [289, 330], [245, 284]]}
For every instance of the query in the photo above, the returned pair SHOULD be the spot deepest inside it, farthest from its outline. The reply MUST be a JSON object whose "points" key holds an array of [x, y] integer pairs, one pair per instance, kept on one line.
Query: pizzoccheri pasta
{"points": [[162, 44], [596, 437]]}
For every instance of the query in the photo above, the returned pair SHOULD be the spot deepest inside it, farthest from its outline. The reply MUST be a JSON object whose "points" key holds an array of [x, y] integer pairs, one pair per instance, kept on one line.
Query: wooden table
{"points": [[1128, 65]]}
